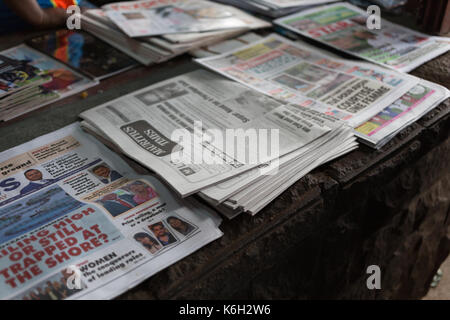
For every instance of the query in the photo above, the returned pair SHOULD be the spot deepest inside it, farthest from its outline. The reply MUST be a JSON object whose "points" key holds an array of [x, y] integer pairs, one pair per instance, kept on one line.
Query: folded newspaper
{"points": [[274, 8], [384, 126], [344, 27], [30, 80], [76, 222], [418, 101], [180, 16], [157, 49], [233, 138], [351, 91]]}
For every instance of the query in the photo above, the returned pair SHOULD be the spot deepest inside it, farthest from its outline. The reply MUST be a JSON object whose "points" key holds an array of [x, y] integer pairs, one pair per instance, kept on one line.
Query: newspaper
{"points": [[77, 223], [291, 3], [409, 108], [384, 126], [251, 192], [142, 124], [250, 21], [344, 27], [156, 49], [31, 80], [301, 160], [348, 90], [176, 16]]}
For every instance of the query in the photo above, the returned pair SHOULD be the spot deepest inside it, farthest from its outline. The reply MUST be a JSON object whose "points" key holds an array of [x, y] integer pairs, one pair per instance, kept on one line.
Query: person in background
{"points": [[35, 14]]}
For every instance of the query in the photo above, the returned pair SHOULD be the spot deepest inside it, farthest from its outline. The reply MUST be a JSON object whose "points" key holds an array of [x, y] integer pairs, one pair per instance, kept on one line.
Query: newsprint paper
{"points": [[142, 123], [77, 223], [288, 71], [175, 16], [344, 27], [380, 129]]}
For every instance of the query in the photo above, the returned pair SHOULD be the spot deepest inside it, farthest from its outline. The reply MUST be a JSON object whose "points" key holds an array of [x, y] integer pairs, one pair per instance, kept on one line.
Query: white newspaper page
{"points": [[350, 91], [249, 21], [222, 191], [215, 112], [76, 222], [344, 27], [180, 16]]}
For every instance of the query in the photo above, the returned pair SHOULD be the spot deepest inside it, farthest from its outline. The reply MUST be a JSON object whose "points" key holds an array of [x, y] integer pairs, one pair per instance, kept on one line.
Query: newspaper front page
{"points": [[350, 91], [249, 21], [42, 80], [344, 27], [76, 222], [144, 18], [142, 125]]}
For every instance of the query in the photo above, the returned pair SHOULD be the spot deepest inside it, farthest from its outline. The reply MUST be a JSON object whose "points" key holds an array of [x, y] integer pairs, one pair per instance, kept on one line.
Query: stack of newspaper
{"points": [[156, 31], [291, 71], [79, 223], [318, 100], [345, 27], [274, 8], [206, 135], [30, 79], [418, 101]]}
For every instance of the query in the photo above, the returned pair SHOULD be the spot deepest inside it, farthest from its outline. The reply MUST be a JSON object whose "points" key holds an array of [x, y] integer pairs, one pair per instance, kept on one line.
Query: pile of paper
{"points": [[30, 80], [237, 148], [345, 27], [156, 31], [377, 102], [274, 8], [418, 101]]}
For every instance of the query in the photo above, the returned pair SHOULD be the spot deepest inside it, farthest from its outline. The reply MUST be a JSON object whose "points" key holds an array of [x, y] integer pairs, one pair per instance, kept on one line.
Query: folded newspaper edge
{"points": [[307, 137]]}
